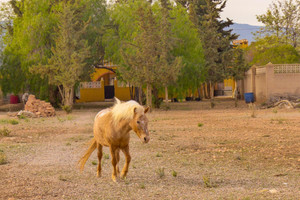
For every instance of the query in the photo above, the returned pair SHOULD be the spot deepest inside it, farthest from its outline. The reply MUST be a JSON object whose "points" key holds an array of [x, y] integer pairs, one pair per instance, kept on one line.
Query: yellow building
{"points": [[104, 86]]}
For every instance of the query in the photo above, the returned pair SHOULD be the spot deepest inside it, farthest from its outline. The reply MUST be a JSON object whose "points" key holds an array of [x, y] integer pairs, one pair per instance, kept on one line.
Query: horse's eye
{"points": [[138, 122]]}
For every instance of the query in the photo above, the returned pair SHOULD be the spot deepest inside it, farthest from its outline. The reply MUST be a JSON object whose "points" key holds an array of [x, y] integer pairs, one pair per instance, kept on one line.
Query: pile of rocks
{"points": [[39, 108]]}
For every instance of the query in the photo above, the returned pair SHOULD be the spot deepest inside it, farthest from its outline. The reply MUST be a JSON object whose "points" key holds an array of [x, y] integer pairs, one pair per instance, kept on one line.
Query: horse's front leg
{"points": [[113, 162], [127, 161]]}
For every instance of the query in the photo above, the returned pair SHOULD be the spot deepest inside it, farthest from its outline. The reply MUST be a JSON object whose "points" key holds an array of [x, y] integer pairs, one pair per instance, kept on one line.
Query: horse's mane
{"points": [[125, 110]]}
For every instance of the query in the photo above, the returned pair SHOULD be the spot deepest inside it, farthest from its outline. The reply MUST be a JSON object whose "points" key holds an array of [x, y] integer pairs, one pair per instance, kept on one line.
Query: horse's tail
{"points": [[87, 154]]}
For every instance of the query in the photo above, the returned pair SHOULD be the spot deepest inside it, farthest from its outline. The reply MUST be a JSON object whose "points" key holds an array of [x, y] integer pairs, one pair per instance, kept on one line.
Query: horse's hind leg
{"points": [[99, 153], [127, 161], [117, 154]]}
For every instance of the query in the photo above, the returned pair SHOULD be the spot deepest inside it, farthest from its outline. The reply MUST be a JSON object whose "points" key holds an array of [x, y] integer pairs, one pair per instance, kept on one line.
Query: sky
{"points": [[245, 11], [242, 11]]}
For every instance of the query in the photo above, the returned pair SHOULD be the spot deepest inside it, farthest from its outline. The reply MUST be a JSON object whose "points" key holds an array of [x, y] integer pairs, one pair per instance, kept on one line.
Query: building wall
{"points": [[273, 80], [122, 93], [283, 80], [91, 92], [260, 84]]}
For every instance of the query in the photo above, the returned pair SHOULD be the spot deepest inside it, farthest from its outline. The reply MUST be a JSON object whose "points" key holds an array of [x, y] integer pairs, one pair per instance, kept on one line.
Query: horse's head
{"points": [[139, 124]]}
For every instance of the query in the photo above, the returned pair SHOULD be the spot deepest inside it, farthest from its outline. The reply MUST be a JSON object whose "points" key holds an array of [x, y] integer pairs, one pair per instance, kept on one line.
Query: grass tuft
{"points": [[160, 172], [174, 173], [5, 132], [3, 158], [200, 124], [208, 182]]}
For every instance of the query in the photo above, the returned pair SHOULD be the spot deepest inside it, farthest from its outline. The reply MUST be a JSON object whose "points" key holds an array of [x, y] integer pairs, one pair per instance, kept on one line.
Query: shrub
{"points": [[5, 132], [3, 158]]}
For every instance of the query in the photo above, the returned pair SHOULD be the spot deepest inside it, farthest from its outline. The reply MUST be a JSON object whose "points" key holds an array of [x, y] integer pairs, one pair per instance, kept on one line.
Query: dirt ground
{"points": [[194, 153]]}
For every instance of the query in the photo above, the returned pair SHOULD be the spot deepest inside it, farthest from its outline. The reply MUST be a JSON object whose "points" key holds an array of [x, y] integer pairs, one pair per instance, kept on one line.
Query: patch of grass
{"points": [[67, 109], [22, 116], [274, 110], [62, 178], [94, 162], [68, 144], [278, 120], [70, 117], [77, 138], [3, 158], [160, 172], [158, 155], [60, 119], [200, 124], [9, 121], [105, 156], [142, 186], [174, 173], [266, 136], [126, 181], [5, 132], [208, 182]]}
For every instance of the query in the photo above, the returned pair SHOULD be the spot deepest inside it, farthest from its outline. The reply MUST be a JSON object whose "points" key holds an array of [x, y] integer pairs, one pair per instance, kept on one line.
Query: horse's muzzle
{"points": [[146, 139]]}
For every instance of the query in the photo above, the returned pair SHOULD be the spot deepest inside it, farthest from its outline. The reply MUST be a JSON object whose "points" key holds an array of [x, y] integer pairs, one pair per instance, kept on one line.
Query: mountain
{"points": [[244, 31]]}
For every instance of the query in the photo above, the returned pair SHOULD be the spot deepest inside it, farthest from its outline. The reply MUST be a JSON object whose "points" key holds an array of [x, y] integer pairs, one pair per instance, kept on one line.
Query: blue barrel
{"points": [[249, 97]]}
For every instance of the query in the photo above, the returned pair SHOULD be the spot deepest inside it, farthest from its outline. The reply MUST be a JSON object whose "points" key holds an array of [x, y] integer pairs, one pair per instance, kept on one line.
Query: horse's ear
{"points": [[134, 110], [117, 100], [146, 109]]}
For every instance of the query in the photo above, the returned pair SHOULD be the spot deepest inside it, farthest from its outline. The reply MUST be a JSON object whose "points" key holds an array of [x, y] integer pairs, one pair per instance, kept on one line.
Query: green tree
{"points": [[271, 49], [218, 52], [283, 20], [189, 48], [67, 62], [25, 42], [163, 37]]}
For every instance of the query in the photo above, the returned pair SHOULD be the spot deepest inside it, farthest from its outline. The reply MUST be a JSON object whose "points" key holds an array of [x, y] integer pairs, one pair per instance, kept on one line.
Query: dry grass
{"points": [[233, 156]]}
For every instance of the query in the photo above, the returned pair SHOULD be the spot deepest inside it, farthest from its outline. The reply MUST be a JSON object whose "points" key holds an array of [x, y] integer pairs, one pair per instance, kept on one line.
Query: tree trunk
{"points": [[206, 91], [68, 93], [166, 96], [140, 95], [149, 96], [235, 94], [212, 103], [199, 93]]}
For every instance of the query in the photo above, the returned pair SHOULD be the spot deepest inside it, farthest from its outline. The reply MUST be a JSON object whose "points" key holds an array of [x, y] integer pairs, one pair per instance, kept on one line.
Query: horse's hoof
{"points": [[114, 178], [123, 176], [98, 175]]}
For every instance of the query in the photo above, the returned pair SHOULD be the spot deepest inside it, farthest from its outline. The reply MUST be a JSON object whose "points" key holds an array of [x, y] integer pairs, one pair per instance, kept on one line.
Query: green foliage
{"points": [[282, 21], [174, 173], [34, 35], [3, 158], [5, 132], [271, 49], [67, 108], [160, 172], [9, 121], [190, 49], [67, 62], [153, 42], [216, 41], [238, 64], [200, 124], [26, 42]]}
